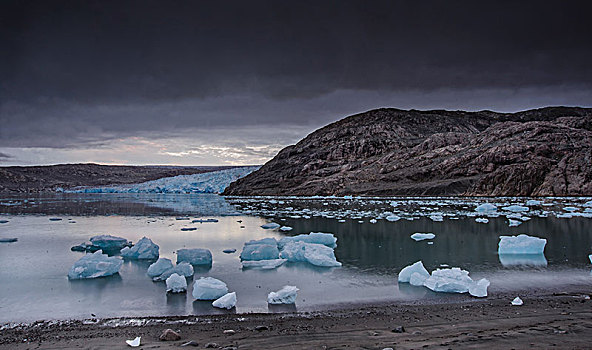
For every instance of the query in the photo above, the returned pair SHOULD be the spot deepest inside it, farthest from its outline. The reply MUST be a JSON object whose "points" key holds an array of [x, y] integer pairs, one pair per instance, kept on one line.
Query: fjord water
{"points": [[33, 270]]}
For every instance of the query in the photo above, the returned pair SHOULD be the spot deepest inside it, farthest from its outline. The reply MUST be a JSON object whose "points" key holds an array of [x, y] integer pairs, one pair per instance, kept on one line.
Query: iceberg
{"points": [[437, 218], [588, 204], [196, 256], [270, 241], [270, 226], [263, 264], [482, 220], [479, 289], [417, 279], [516, 208], [485, 207], [418, 236], [521, 244], [183, 269], [211, 182], [514, 223], [327, 239], [285, 228], [393, 218], [209, 288], [315, 254], [176, 284], [508, 260], [95, 265], [227, 301], [260, 252], [452, 280], [109, 243], [405, 274], [159, 267], [533, 202], [145, 249], [286, 295], [590, 257]]}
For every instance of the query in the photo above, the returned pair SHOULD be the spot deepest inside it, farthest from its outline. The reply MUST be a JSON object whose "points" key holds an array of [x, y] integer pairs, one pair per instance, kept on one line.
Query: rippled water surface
{"points": [[35, 286]]}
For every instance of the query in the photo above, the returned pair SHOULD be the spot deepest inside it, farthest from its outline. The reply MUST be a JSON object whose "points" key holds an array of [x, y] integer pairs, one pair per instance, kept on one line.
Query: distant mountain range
{"points": [[32, 179], [540, 152]]}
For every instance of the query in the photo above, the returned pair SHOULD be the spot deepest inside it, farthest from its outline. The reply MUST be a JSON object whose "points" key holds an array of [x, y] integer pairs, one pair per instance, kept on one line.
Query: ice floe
{"points": [[195, 256], [405, 274], [270, 226], [315, 254], [418, 236], [176, 284], [327, 239], [516, 208], [145, 249], [109, 243], [260, 252], [95, 265], [521, 244], [227, 301], [485, 207], [209, 288], [161, 265], [286, 295], [263, 264], [479, 289]]}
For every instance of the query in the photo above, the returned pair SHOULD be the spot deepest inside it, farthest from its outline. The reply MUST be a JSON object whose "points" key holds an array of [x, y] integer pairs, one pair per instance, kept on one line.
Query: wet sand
{"points": [[545, 321]]}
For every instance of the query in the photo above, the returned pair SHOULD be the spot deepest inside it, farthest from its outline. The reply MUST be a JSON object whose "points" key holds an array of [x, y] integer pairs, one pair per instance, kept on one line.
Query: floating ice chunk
{"points": [[521, 244], [134, 343], [479, 289], [196, 256], [209, 288], [259, 252], [159, 267], [271, 241], [533, 202], [372, 221], [95, 265], [590, 257], [437, 218], [418, 236], [227, 301], [485, 207], [327, 239], [517, 301], [270, 226], [188, 228], [571, 209], [315, 254], [109, 243], [55, 219], [176, 284], [514, 223], [263, 264], [182, 269], [393, 218], [145, 249], [201, 221], [285, 228], [182, 218], [3, 221], [516, 208], [452, 280], [482, 220], [8, 240], [564, 216], [522, 260], [417, 279], [405, 274], [588, 204], [229, 251], [286, 295]]}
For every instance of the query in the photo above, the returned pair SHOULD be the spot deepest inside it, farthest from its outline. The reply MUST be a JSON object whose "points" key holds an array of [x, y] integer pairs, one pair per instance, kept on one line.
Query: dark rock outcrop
{"points": [[542, 152]]}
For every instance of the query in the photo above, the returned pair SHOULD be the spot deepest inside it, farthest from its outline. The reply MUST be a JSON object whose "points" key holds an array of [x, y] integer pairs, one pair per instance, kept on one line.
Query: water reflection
{"points": [[286, 308], [509, 260], [204, 307]]}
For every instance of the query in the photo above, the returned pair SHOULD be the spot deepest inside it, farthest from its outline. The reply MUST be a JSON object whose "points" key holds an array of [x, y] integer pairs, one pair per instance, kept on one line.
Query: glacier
{"points": [[286, 295], [211, 182], [95, 265]]}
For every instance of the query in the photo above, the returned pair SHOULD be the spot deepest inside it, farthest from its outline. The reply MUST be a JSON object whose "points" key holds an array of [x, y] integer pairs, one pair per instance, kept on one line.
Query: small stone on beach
{"points": [[211, 345], [169, 335], [399, 329]]}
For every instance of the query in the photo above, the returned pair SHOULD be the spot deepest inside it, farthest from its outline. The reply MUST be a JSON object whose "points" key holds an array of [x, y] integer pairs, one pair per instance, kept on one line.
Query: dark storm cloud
{"points": [[86, 71]]}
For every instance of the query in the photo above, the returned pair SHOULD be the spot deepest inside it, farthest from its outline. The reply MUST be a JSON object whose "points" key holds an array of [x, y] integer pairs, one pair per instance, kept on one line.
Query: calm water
{"points": [[33, 270]]}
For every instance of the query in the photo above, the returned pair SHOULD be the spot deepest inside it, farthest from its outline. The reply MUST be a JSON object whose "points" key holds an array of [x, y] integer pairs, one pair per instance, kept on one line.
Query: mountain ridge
{"points": [[388, 151]]}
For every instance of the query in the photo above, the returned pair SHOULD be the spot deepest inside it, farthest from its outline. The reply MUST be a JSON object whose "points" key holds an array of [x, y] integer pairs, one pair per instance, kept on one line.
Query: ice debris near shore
{"points": [[145, 249], [270, 226], [263, 264], [109, 242], [227, 301], [485, 208], [286, 295], [521, 244], [196, 256], [516, 208], [134, 343], [418, 236], [176, 284], [517, 301], [163, 268], [327, 239], [211, 182], [450, 280], [209, 288], [95, 265], [260, 251], [482, 220], [315, 254]]}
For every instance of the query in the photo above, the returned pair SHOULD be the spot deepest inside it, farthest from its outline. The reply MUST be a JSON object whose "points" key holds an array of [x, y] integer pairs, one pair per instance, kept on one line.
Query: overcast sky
{"points": [[232, 82]]}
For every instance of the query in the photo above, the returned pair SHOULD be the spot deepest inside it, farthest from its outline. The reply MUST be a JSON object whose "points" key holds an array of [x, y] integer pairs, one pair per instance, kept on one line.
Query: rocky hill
{"points": [[32, 179], [538, 152]]}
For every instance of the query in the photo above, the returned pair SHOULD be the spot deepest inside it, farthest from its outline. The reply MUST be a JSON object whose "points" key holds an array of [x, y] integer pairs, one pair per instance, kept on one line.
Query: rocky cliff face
{"points": [[542, 152]]}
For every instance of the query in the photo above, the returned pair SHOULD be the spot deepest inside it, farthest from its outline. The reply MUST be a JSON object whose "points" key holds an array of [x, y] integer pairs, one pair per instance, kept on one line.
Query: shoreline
{"points": [[547, 320]]}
